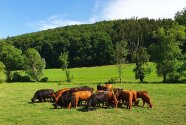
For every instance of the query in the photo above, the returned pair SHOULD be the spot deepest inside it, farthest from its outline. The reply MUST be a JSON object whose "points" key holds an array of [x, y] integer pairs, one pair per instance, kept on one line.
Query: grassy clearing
{"points": [[101, 74], [169, 107], [169, 102]]}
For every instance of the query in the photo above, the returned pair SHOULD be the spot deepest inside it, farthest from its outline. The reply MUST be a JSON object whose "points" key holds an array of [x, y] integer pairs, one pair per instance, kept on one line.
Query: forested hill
{"points": [[90, 44]]}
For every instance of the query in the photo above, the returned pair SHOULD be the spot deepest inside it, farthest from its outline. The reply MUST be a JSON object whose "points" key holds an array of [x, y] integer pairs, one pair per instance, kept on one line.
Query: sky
{"points": [[25, 16]]}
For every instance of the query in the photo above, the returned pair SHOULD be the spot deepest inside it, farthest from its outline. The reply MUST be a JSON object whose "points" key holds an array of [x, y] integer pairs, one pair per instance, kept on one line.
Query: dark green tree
{"points": [[180, 17], [12, 58], [167, 54], [34, 64]]}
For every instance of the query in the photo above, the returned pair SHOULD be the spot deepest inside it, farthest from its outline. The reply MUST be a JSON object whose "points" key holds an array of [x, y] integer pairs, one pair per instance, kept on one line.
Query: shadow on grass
{"points": [[39, 102], [82, 109]]}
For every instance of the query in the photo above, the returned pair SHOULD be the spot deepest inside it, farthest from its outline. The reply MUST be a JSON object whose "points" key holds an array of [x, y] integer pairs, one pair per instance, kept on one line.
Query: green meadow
{"points": [[169, 102]]}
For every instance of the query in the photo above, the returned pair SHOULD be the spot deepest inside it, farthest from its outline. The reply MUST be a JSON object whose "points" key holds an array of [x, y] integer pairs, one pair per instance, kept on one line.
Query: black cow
{"points": [[63, 101], [102, 97], [42, 95]]}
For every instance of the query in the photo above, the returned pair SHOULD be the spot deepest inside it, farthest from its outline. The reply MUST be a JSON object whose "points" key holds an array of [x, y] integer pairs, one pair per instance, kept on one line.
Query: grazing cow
{"points": [[63, 101], [70, 91], [124, 95], [79, 96], [145, 97], [59, 93], [42, 95], [102, 97]]}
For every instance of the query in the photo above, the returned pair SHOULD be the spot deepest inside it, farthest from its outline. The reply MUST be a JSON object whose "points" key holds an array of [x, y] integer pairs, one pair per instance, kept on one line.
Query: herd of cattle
{"points": [[105, 95]]}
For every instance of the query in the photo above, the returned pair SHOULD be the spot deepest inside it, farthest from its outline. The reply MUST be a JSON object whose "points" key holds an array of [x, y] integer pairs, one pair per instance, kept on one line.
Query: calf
{"points": [[145, 97], [42, 95]]}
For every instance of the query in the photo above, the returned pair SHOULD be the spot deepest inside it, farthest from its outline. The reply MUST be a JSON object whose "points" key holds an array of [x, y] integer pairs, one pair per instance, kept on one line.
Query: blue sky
{"points": [[25, 16]]}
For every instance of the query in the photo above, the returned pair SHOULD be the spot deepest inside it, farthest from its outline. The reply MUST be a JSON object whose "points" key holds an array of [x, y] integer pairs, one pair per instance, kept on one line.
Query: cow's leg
{"points": [[69, 105], [76, 102]]}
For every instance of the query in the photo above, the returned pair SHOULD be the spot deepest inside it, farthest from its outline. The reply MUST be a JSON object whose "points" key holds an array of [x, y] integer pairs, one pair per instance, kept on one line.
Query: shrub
{"points": [[113, 80], [44, 79], [17, 77]]}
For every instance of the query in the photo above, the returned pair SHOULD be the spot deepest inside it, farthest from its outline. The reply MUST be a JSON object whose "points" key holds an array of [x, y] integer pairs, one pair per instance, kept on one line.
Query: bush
{"points": [[177, 70], [17, 77], [25, 78], [113, 80], [2, 77], [44, 79]]}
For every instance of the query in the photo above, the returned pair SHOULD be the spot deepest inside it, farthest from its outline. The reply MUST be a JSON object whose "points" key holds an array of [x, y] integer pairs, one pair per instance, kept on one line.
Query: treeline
{"points": [[95, 44], [88, 45]]}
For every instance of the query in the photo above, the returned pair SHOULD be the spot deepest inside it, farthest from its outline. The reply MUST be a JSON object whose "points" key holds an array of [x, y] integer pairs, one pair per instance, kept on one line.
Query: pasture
{"points": [[169, 102]]}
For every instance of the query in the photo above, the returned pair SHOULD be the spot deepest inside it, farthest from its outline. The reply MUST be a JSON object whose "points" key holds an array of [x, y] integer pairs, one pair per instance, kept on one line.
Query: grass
{"points": [[101, 74], [169, 102], [169, 107]]}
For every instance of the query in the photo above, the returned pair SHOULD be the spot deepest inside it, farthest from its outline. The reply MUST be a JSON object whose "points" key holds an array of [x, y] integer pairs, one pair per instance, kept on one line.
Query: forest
{"points": [[157, 40]]}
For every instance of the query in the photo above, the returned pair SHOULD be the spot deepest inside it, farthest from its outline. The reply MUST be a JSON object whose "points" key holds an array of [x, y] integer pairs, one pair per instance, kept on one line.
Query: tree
{"points": [[141, 57], [180, 17], [120, 54], [2, 72], [34, 65], [63, 58], [167, 54], [12, 58]]}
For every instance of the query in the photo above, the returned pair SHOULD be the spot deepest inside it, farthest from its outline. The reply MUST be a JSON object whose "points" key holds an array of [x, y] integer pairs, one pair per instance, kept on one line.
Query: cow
{"points": [[42, 95], [145, 98], [124, 95], [59, 93], [102, 97], [63, 101], [79, 96]]}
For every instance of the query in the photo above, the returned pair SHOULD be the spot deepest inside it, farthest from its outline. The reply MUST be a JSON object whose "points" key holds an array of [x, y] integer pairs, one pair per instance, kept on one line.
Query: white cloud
{"points": [[120, 9], [53, 22]]}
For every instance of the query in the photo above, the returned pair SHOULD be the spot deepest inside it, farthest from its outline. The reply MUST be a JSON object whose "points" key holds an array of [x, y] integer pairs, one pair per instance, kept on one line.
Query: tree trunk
{"points": [[164, 77], [8, 75], [120, 72]]}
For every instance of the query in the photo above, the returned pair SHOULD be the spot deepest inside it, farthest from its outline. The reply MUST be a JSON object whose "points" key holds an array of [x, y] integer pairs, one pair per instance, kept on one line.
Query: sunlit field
{"points": [[169, 102]]}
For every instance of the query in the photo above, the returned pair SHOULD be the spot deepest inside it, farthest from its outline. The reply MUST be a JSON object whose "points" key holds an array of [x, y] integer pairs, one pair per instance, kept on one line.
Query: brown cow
{"points": [[59, 93], [79, 96], [124, 95], [145, 97]]}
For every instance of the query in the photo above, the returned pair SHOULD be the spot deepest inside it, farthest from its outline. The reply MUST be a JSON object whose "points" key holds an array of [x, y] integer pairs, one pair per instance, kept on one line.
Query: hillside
{"points": [[88, 44]]}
